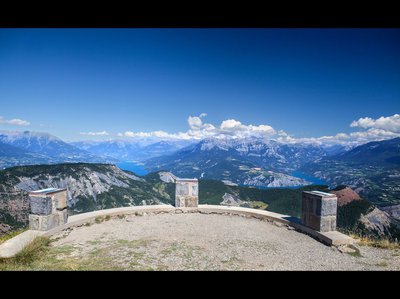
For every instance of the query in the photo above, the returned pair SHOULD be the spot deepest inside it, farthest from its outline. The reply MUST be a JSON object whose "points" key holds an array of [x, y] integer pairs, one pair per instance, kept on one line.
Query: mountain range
{"points": [[248, 161], [100, 186], [27, 148], [130, 150], [371, 169]]}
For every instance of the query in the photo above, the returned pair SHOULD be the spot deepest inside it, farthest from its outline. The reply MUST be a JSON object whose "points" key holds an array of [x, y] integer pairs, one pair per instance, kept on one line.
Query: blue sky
{"points": [[302, 82]]}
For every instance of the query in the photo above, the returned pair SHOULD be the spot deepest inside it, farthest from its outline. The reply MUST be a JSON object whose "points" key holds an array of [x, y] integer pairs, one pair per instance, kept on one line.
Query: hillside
{"points": [[90, 187], [345, 195], [384, 153], [372, 170], [249, 161], [101, 186]]}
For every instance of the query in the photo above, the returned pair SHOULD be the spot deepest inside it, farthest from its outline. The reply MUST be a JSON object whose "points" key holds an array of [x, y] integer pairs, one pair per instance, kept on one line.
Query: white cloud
{"points": [[235, 128], [230, 128], [370, 130], [101, 133], [14, 121], [390, 123]]}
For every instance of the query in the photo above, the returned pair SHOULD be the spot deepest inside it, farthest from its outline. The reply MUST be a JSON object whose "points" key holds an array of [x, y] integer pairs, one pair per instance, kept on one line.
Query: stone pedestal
{"points": [[48, 208], [319, 210], [186, 193]]}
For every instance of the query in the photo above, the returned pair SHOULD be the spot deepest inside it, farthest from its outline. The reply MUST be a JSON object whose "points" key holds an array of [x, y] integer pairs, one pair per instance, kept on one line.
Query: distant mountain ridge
{"points": [[27, 148], [248, 161], [384, 153], [130, 150], [371, 169]]}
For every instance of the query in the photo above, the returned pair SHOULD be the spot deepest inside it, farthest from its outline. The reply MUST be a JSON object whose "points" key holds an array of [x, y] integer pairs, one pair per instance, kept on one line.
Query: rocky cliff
{"points": [[89, 187]]}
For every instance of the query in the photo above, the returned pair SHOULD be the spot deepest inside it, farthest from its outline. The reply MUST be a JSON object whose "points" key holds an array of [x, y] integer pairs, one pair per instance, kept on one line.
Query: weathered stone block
{"points": [[328, 206], [312, 221], [327, 224], [182, 189], [34, 222], [41, 205], [186, 193], [319, 210], [43, 222], [191, 202], [59, 200], [62, 216]]}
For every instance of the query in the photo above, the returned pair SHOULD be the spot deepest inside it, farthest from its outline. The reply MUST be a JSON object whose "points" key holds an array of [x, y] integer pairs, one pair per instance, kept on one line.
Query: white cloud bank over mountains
{"points": [[14, 121], [390, 123], [102, 133], [229, 128], [368, 130]]}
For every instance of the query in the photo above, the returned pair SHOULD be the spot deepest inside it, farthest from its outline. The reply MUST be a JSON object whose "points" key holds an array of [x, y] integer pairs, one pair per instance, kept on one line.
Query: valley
{"points": [[102, 186]]}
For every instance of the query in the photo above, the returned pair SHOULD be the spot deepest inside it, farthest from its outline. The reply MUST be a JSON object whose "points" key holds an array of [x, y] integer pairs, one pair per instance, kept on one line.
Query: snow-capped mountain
{"points": [[130, 150], [24, 148], [250, 161], [267, 154], [119, 149]]}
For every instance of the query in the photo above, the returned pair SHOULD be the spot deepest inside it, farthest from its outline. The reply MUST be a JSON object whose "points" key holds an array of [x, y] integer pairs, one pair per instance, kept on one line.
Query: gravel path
{"points": [[193, 241]]}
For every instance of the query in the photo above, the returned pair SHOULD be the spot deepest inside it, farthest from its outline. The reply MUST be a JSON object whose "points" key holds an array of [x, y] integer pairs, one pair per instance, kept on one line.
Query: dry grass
{"points": [[258, 205], [382, 243], [27, 256]]}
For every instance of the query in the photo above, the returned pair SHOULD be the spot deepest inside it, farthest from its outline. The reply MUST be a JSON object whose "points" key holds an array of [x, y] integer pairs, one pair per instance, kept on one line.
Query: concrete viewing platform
{"points": [[333, 238], [14, 245]]}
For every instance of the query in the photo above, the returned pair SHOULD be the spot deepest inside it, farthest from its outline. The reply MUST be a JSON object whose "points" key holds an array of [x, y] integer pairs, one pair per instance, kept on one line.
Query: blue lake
{"points": [[139, 169], [298, 174], [134, 167], [314, 180]]}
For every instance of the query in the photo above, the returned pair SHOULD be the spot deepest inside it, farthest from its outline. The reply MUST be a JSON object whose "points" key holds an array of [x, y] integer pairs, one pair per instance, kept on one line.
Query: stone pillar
{"points": [[319, 210], [48, 208], [186, 193]]}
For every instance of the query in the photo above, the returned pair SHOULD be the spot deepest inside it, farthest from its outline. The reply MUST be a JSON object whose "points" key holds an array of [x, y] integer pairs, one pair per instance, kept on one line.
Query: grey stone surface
{"points": [[327, 224], [40, 205], [186, 193], [48, 203], [182, 189], [34, 222], [43, 222], [328, 206], [191, 201], [59, 200], [319, 211], [48, 209], [62, 216]]}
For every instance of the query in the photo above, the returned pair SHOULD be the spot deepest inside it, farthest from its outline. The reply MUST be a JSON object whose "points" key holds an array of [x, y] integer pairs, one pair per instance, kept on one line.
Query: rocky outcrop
{"points": [[376, 220], [231, 200], [4, 228], [86, 183], [14, 208], [89, 187], [272, 179], [393, 211], [167, 177], [345, 196]]}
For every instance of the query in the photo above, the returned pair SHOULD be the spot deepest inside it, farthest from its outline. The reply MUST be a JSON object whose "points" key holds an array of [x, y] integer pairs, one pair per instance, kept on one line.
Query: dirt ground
{"points": [[194, 241]]}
